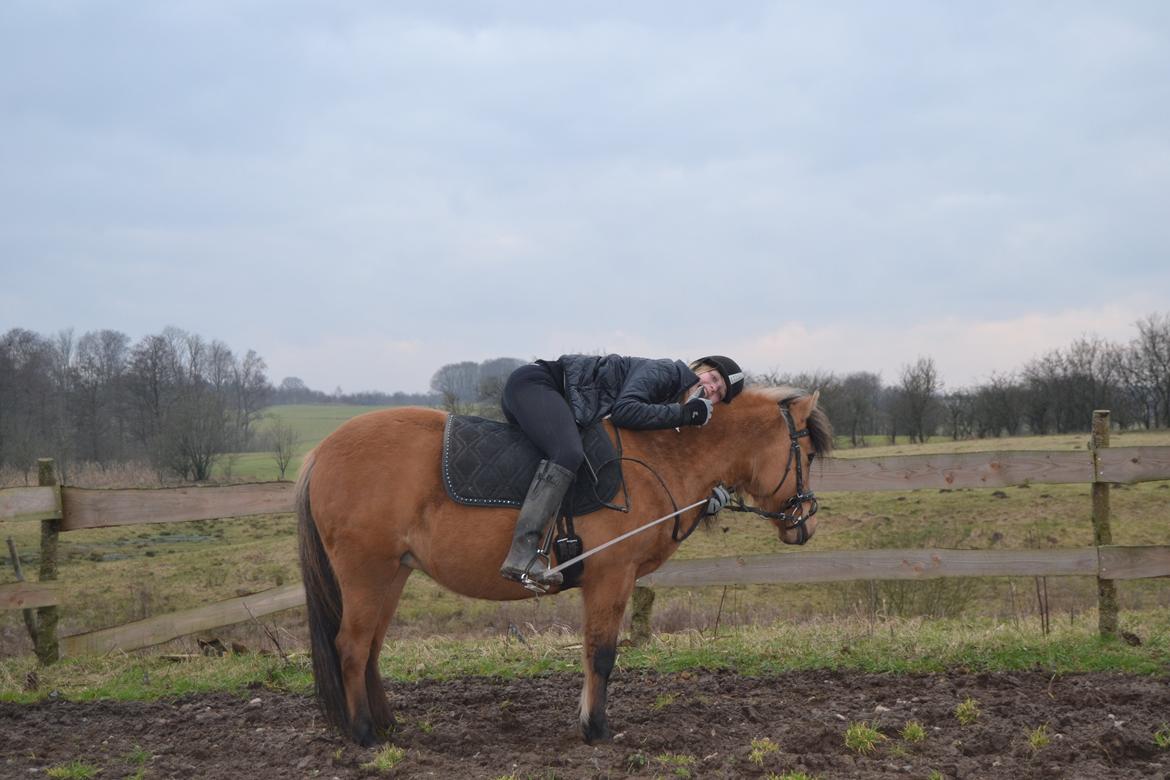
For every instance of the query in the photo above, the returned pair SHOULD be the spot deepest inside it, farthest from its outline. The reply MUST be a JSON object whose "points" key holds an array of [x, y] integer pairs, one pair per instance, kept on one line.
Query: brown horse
{"points": [[379, 511]]}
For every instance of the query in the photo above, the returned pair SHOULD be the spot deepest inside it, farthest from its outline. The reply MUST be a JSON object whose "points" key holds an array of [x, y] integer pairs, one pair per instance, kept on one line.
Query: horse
{"points": [[372, 509]]}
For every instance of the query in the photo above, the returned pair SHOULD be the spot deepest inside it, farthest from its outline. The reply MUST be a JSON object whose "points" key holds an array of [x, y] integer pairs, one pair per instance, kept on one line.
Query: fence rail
{"points": [[156, 630], [70, 509], [28, 595], [1118, 563]]}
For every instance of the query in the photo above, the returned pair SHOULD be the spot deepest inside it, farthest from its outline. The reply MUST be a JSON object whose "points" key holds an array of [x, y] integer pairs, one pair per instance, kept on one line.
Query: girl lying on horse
{"points": [[552, 401]]}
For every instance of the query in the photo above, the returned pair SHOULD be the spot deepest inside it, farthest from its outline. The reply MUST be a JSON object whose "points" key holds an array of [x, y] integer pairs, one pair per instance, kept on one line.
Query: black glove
{"points": [[697, 411]]}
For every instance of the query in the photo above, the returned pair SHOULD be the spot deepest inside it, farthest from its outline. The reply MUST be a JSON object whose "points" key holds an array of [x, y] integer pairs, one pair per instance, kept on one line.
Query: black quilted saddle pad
{"points": [[489, 463]]}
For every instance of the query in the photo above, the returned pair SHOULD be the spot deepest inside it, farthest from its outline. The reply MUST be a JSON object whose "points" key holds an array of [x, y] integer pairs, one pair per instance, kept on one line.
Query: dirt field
{"points": [[697, 724]]}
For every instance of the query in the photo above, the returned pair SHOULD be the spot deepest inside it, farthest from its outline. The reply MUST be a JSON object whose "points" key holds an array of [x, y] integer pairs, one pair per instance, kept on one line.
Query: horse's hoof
{"points": [[366, 735], [596, 735]]}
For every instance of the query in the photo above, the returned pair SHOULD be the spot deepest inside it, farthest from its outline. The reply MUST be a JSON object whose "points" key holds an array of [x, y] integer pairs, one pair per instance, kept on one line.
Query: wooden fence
{"points": [[64, 509]]}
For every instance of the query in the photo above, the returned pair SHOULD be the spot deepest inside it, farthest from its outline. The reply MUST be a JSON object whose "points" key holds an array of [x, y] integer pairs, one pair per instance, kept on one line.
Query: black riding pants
{"points": [[533, 401]]}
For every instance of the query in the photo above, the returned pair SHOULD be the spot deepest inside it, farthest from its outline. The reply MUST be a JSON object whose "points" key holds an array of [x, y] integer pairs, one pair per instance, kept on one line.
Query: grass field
{"points": [[895, 646], [112, 576], [312, 423]]}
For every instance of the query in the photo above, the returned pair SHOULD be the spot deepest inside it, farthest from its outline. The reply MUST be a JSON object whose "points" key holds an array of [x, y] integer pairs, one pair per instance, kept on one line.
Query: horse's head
{"points": [[780, 484]]}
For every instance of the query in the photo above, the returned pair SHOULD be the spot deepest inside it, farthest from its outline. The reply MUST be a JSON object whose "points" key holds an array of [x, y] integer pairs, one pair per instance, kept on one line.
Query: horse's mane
{"points": [[820, 430]]}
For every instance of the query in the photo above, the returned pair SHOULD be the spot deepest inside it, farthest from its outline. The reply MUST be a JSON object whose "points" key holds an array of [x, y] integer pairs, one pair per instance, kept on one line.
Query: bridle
{"points": [[788, 518]]}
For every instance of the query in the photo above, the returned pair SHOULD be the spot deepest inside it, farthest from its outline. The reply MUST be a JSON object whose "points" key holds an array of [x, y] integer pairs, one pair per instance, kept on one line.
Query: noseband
{"points": [[788, 518]]}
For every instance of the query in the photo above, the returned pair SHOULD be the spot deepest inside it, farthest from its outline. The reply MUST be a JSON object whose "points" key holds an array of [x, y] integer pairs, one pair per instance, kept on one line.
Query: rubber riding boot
{"points": [[545, 494]]}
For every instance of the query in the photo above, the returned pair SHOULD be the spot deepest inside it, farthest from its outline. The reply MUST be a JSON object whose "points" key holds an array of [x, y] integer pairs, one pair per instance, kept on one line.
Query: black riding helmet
{"points": [[730, 371]]}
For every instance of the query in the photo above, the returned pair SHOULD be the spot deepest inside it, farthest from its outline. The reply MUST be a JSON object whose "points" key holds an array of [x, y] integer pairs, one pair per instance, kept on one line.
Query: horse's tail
{"points": [[323, 599]]}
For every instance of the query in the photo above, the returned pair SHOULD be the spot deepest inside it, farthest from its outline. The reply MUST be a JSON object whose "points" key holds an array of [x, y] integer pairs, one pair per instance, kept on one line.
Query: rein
{"points": [[790, 519], [623, 537]]}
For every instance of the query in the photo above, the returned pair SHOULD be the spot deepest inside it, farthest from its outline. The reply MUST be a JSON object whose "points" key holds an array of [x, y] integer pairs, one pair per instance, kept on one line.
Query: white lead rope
{"points": [[624, 536]]}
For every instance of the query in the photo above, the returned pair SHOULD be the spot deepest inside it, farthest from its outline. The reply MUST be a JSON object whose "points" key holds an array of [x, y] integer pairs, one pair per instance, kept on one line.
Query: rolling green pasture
{"points": [[312, 423]]}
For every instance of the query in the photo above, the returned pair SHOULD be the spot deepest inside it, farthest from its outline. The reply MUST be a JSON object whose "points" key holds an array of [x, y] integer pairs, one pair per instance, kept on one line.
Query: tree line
{"points": [[171, 399], [1052, 394], [178, 401], [293, 390]]}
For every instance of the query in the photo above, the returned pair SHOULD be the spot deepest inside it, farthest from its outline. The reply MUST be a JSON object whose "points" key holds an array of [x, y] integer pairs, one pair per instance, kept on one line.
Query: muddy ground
{"points": [[691, 724]]}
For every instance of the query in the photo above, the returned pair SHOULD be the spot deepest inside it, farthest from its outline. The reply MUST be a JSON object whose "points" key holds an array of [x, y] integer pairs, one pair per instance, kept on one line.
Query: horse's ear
{"points": [[803, 407]]}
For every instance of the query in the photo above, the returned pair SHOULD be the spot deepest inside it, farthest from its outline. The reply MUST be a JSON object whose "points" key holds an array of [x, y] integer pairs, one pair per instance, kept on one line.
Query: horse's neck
{"points": [[692, 460]]}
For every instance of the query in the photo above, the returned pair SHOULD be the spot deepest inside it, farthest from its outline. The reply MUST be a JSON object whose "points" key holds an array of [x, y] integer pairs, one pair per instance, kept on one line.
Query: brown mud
{"points": [[690, 724]]}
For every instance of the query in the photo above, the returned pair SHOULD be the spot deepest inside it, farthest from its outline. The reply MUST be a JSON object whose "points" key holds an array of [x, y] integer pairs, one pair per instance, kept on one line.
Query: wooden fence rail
{"points": [[1119, 563], [70, 509]]}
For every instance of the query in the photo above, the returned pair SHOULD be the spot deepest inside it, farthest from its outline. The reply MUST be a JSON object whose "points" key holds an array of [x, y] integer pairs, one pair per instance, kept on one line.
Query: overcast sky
{"points": [[363, 192]]}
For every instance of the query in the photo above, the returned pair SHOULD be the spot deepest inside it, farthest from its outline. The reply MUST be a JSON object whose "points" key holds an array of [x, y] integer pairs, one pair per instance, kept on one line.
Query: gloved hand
{"points": [[720, 497], [697, 411]]}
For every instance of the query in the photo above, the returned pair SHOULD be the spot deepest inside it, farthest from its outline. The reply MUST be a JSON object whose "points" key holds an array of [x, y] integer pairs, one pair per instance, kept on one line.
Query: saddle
{"points": [[490, 463]]}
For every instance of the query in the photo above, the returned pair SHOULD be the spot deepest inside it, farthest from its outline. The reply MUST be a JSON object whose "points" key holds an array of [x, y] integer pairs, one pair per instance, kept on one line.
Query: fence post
{"points": [[46, 640], [640, 617], [1102, 532]]}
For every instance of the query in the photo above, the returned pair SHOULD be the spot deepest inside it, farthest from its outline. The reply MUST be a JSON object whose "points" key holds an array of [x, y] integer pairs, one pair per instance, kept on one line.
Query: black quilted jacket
{"points": [[637, 392]]}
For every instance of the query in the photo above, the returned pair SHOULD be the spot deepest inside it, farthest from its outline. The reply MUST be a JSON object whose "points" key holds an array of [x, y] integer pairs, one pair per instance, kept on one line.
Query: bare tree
{"points": [[958, 405], [196, 433], [102, 357], [1151, 360], [457, 384], [998, 407], [858, 411], [252, 392], [918, 389], [282, 442]]}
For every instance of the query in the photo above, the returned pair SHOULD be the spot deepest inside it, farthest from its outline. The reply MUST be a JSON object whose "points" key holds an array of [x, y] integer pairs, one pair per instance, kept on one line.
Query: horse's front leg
{"points": [[605, 599]]}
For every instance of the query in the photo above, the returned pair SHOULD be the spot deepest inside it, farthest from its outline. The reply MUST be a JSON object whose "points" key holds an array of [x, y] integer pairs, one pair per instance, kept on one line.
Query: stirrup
{"points": [[535, 585]]}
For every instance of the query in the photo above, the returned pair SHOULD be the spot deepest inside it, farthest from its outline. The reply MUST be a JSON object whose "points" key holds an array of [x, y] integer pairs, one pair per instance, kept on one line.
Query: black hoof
{"points": [[597, 733], [365, 734]]}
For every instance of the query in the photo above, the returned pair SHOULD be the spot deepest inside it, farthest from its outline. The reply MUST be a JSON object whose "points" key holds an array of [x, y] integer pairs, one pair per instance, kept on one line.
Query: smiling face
{"points": [[713, 385]]}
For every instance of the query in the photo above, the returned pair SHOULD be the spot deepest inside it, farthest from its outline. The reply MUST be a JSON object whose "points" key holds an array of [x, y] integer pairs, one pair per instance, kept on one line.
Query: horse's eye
{"points": [[811, 455]]}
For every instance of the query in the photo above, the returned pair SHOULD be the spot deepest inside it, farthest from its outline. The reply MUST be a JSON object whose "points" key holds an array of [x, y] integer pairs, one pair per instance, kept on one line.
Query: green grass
{"points": [[311, 422], [913, 732], [967, 711], [388, 757], [679, 764], [1039, 738], [138, 758], [1162, 736], [74, 770], [897, 646], [663, 700], [863, 738], [761, 749]]}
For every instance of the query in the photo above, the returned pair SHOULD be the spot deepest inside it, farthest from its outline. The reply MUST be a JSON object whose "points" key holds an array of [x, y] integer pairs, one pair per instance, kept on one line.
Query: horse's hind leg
{"points": [[605, 600], [366, 591], [375, 692]]}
